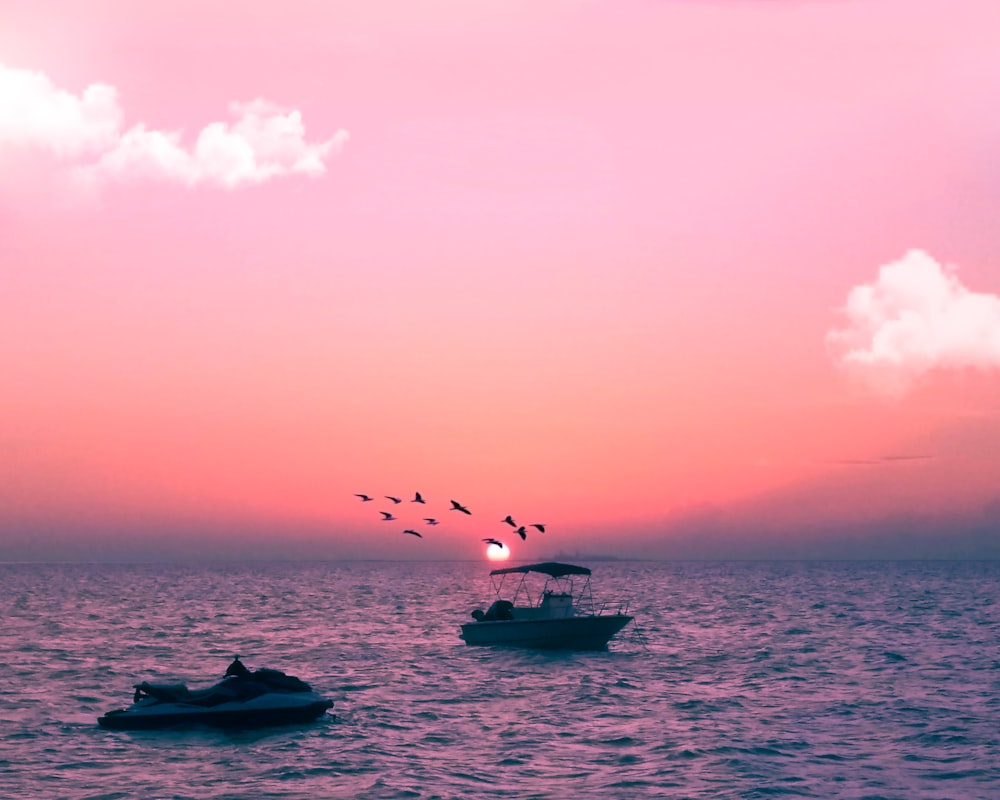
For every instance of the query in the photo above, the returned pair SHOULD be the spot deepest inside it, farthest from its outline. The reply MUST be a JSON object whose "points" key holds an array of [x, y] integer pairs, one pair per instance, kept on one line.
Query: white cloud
{"points": [[915, 317], [33, 112], [264, 142]]}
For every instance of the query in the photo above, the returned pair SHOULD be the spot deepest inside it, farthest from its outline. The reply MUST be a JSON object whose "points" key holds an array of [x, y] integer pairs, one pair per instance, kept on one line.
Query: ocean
{"points": [[750, 680]]}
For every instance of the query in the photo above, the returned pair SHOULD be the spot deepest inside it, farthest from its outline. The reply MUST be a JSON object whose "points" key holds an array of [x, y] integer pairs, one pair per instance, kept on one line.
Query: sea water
{"points": [[752, 680]]}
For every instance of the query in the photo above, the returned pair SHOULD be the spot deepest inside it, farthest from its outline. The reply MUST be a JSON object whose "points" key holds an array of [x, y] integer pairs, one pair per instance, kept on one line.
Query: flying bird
{"points": [[491, 540], [394, 499], [417, 499], [413, 533], [510, 521], [456, 506], [364, 498], [386, 516], [430, 520], [522, 533], [539, 525]]}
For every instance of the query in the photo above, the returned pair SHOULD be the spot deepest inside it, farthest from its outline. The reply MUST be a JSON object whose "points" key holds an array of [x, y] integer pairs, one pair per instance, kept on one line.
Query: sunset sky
{"points": [[677, 279]]}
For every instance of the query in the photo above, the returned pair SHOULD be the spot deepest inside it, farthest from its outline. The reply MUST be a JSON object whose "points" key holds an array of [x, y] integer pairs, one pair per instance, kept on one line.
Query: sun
{"points": [[497, 552]]}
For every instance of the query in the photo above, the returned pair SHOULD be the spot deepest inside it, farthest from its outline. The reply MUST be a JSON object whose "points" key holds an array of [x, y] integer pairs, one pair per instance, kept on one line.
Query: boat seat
{"points": [[500, 610]]}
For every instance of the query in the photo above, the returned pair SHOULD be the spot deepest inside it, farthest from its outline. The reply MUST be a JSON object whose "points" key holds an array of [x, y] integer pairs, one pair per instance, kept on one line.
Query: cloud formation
{"points": [[915, 317], [34, 112], [264, 142]]}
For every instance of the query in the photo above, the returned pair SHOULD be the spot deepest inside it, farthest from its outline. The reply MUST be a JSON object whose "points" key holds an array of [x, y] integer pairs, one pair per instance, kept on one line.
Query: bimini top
{"points": [[551, 568]]}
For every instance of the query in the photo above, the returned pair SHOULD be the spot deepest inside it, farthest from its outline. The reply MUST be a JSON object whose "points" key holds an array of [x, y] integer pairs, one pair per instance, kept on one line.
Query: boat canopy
{"points": [[551, 568]]}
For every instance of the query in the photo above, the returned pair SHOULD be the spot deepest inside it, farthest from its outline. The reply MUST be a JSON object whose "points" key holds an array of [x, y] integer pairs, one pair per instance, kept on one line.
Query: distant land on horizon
{"points": [[564, 557], [723, 537]]}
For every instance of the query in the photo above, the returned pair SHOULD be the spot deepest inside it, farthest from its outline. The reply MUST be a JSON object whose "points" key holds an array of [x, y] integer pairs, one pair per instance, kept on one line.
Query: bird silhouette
{"points": [[539, 525], [364, 498], [417, 499], [510, 521], [497, 542], [456, 506], [386, 516], [430, 520], [413, 533], [394, 499], [522, 533]]}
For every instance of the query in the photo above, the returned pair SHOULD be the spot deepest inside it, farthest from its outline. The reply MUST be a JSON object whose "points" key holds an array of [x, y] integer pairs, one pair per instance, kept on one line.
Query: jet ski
{"points": [[243, 699]]}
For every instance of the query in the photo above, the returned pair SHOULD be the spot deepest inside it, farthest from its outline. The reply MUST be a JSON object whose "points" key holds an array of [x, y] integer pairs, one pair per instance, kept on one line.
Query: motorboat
{"points": [[243, 699], [562, 615]]}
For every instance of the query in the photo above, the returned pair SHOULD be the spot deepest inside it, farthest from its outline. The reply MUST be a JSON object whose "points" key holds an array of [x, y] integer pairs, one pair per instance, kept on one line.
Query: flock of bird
{"points": [[388, 516]]}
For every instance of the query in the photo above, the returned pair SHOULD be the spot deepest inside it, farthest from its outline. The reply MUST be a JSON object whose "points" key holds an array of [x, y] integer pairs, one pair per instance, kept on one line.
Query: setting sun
{"points": [[498, 552]]}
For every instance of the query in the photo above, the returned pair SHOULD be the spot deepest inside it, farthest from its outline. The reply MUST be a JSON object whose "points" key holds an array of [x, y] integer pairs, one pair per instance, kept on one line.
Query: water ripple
{"points": [[758, 681]]}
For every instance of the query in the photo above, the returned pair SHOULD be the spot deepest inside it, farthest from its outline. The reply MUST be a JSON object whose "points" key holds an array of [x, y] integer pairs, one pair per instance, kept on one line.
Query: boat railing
{"points": [[620, 608]]}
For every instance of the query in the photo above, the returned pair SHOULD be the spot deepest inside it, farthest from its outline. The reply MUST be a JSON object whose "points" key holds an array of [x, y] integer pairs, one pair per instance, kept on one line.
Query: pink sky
{"points": [[637, 270]]}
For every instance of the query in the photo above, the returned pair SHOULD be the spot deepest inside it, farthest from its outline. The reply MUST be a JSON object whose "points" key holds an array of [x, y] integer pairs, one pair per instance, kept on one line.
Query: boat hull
{"points": [[568, 633], [252, 714]]}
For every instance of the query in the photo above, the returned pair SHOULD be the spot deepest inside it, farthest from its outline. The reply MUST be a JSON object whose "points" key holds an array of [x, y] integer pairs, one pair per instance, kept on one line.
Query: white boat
{"points": [[562, 616]]}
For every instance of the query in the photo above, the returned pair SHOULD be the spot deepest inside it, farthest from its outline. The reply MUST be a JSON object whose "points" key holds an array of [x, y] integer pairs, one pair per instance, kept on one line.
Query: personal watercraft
{"points": [[243, 699]]}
